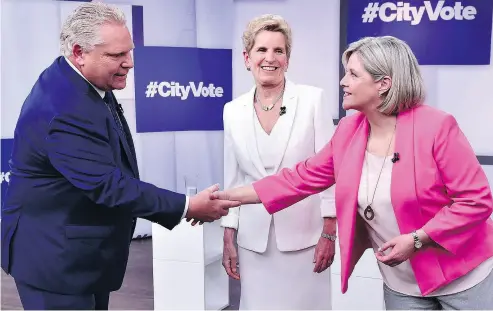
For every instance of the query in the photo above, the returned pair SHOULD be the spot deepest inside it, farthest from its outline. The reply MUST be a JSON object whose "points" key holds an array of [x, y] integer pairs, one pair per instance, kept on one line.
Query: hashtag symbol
{"points": [[371, 12], [5, 177], [151, 89]]}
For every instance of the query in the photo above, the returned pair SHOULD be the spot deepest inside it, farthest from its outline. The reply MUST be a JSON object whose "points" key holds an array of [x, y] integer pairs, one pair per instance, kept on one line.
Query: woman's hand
{"points": [[402, 248], [325, 249], [324, 254], [230, 255], [243, 195]]}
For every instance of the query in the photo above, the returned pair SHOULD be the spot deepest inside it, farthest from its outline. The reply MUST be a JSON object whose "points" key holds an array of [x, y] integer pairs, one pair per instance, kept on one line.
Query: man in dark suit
{"points": [[74, 195]]}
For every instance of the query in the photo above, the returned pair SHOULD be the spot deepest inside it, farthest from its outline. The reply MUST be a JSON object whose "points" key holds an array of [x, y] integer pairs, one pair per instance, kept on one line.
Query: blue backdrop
{"points": [[181, 89], [439, 32]]}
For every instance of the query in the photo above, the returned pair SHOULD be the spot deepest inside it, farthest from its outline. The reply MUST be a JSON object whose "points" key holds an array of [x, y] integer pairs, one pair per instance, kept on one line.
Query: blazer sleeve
{"points": [[465, 183], [324, 129], [289, 186], [233, 176], [78, 147]]}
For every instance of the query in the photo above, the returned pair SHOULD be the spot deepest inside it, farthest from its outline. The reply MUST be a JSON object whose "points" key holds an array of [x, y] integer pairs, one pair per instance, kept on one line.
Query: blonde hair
{"points": [[389, 56], [268, 22]]}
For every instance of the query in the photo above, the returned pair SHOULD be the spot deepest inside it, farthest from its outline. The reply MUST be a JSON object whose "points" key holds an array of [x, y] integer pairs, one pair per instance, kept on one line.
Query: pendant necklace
{"points": [[269, 107], [369, 212]]}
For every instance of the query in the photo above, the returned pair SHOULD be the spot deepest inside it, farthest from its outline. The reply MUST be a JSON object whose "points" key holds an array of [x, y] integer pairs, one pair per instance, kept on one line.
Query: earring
{"points": [[248, 68]]}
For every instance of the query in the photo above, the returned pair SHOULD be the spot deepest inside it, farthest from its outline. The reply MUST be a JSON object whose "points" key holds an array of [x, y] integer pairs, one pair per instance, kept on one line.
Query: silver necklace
{"points": [[269, 107], [369, 212]]}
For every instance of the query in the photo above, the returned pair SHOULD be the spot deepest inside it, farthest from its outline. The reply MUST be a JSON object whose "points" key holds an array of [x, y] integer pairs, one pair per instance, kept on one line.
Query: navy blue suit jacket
{"points": [[74, 192]]}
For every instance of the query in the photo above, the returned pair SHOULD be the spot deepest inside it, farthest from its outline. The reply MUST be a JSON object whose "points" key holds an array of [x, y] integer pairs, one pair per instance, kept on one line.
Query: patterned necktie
{"points": [[112, 106], [108, 98]]}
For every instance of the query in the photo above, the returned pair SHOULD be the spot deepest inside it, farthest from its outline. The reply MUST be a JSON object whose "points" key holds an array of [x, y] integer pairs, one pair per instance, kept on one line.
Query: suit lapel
{"points": [[132, 146], [348, 181], [250, 135], [126, 139], [403, 189], [284, 124], [82, 85]]}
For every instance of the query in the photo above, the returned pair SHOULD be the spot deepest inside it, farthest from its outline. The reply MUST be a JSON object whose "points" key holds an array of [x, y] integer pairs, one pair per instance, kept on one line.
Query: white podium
{"points": [[365, 288], [187, 267]]}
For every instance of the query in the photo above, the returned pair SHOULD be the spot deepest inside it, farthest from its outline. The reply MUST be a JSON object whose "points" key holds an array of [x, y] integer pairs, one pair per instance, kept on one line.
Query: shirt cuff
{"points": [[328, 208], [186, 207]]}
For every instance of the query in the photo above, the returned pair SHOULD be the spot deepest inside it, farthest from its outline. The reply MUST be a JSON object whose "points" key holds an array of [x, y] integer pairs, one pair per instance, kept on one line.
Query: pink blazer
{"points": [[437, 185]]}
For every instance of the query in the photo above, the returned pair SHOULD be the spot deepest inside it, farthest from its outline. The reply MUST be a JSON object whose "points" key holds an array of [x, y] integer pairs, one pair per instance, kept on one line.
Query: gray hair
{"points": [[83, 25], [392, 57], [268, 22]]}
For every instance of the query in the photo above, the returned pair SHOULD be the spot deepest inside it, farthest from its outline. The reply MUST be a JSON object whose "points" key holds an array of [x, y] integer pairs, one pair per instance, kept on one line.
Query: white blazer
{"points": [[307, 126]]}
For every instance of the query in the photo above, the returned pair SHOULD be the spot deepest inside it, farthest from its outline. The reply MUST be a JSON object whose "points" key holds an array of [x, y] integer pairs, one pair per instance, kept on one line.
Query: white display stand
{"points": [[365, 290], [187, 267]]}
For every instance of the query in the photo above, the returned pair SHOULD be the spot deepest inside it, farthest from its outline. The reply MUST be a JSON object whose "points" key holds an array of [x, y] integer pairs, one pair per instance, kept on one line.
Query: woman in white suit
{"points": [[284, 258]]}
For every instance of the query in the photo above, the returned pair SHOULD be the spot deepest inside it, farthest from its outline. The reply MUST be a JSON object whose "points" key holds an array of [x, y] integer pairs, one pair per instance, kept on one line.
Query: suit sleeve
{"points": [[289, 186], [233, 176], [467, 186], [324, 129], [79, 149]]}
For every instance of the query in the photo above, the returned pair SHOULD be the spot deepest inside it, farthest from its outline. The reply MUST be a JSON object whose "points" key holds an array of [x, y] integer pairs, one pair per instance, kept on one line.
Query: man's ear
{"points": [[78, 55]]}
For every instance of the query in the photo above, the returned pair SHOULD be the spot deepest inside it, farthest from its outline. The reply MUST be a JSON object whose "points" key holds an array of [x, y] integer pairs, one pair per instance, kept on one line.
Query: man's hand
{"points": [[220, 195], [203, 208]]}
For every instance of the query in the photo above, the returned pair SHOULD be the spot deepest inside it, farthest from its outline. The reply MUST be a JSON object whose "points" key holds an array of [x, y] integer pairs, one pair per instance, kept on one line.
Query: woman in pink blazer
{"points": [[408, 185]]}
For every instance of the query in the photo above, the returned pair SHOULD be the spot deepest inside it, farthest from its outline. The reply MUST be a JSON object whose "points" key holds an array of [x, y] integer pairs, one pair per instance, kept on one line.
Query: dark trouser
{"points": [[37, 299]]}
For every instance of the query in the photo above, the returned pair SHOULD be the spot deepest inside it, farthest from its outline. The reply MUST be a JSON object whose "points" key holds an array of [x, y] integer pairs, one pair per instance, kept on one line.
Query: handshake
{"points": [[209, 205]]}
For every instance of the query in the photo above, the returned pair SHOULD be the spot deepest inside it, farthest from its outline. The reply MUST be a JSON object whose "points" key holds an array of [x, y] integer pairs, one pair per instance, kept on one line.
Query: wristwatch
{"points": [[417, 242], [329, 236]]}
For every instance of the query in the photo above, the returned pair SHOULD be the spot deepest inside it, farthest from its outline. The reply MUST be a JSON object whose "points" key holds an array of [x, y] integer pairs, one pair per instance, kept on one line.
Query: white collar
{"points": [[100, 92]]}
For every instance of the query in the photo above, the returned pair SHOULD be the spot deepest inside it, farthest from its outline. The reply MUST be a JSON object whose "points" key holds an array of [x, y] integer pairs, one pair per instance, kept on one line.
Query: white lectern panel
{"points": [[29, 49]]}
